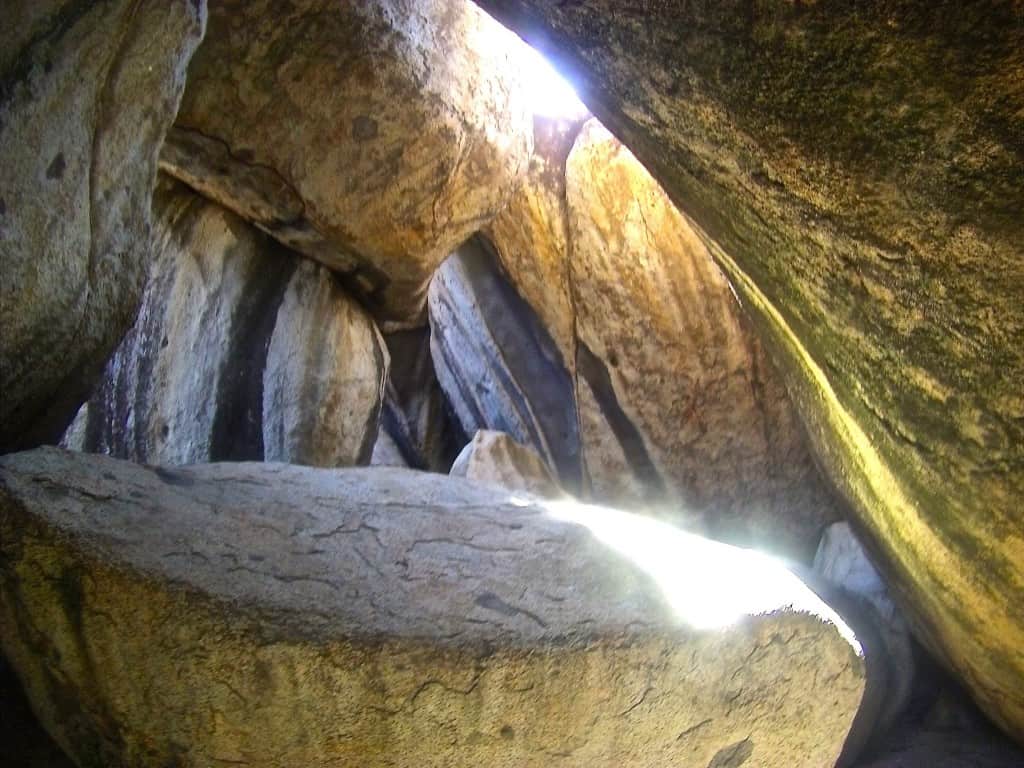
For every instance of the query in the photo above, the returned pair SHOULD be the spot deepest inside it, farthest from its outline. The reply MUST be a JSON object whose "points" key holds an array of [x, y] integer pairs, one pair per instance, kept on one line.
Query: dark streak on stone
{"points": [[171, 477], [57, 167], [734, 755]]}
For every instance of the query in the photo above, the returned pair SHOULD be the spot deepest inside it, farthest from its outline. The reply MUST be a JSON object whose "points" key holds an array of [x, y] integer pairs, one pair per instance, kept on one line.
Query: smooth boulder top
{"points": [[387, 551]]}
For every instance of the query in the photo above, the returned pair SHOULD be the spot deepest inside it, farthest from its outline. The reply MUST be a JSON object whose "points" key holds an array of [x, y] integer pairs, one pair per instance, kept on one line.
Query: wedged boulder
{"points": [[416, 414], [373, 137], [323, 384], [494, 458], [239, 352], [857, 177], [287, 616], [88, 92], [532, 234], [496, 363], [679, 405]]}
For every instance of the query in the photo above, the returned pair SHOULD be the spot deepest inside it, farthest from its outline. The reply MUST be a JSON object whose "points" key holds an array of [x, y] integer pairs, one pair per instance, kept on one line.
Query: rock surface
{"points": [[497, 365], [237, 353], [287, 616], [842, 563], [373, 136], [416, 415], [494, 458], [87, 92], [323, 384], [679, 406], [857, 177]]}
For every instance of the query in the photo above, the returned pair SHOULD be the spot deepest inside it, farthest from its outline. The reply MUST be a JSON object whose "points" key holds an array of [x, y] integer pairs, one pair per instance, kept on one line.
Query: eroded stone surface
{"points": [[87, 92], [387, 617], [857, 176], [372, 136]]}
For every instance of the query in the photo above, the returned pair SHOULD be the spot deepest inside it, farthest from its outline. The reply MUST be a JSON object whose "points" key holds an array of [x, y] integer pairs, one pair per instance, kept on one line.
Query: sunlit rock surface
{"points": [[679, 406], [87, 91], [498, 366], [494, 458], [860, 173], [284, 616], [238, 353], [372, 136]]}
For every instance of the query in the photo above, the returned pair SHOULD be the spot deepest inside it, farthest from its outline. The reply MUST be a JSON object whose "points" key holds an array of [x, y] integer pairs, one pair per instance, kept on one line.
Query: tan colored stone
{"points": [[532, 234], [88, 91], [858, 177], [372, 136], [285, 616], [494, 458]]}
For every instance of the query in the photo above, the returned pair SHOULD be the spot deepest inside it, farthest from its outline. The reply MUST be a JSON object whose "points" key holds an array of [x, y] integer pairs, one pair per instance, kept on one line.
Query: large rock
{"points": [[283, 616], [494, 458], [372, 136], [496, 363], [857, 176], [323, 385], [679, 406], [87, 92], [237, 353]]}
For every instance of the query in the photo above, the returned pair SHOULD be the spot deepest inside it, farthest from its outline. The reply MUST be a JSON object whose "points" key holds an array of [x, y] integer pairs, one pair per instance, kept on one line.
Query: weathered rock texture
{"points": [[678, 403], [498, 366], [284, 616], [857, 172], [372, 136], [494, 458], [236, 353], [323, 384], [87, 92]]}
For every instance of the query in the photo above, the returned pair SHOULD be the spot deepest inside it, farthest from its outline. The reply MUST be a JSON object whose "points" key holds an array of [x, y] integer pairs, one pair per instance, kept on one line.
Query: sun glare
{"points": [[708, 584], [550, 95]]}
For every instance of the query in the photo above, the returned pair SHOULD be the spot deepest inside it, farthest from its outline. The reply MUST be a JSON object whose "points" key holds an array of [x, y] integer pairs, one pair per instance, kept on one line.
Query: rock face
{"points": [[498, 366], [237, 353], [286, 616], [373, 136], [88, 92], [323, 384], [494, 458], [416, 415], [679, 406], [857, 177]]}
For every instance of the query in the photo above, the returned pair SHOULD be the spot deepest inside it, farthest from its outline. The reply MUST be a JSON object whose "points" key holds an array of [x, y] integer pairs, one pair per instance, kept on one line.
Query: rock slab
{"points": [[87, 93], [286, 616]]}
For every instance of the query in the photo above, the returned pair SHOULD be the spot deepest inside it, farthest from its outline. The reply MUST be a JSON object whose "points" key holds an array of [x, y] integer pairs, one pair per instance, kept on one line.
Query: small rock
{"points": [[494, 458]]}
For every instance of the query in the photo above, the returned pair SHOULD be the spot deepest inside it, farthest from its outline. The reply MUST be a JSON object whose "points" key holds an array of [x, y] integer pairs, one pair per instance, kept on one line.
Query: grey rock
{"points": [[842, 561], [498, 366], [289, 616], [494, 458], [87, 92], [416, 414], [323, 383]]}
